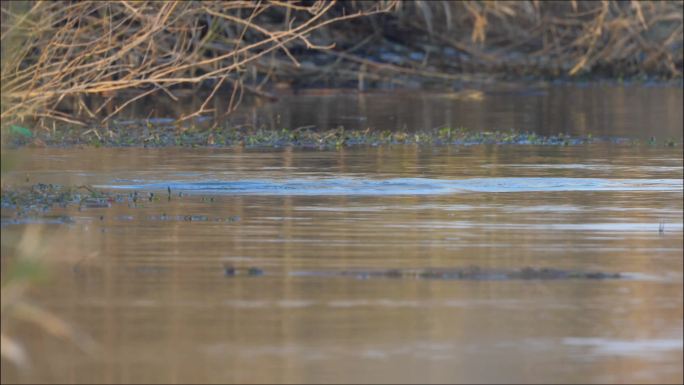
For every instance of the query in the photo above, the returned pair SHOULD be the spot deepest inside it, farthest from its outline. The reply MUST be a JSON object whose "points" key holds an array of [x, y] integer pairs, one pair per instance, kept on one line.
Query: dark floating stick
{"points": [[230, 271], [474, 273]]}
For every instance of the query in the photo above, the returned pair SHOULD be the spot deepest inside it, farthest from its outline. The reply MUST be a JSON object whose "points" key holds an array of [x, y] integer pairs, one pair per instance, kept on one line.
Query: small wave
{"points": [[398, 186]]}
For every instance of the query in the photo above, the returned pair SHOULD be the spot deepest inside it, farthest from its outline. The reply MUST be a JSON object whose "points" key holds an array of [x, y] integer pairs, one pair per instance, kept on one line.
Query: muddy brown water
{"points": [[574, 109], [149, 287], [546, 110]]}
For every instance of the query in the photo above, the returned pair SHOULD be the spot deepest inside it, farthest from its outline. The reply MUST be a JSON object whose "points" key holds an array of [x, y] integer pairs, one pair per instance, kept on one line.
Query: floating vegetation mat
{"points": [[164, 135], [32, 204], [468, 273]]}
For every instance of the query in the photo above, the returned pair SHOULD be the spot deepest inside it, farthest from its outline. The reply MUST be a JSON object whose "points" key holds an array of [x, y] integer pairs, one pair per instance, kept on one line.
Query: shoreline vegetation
{"points": [[82, 64]]}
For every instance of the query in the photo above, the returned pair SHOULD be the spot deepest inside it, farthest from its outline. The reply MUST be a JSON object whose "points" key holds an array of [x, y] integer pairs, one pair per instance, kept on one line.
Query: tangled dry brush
{"points": [[57, 52]]}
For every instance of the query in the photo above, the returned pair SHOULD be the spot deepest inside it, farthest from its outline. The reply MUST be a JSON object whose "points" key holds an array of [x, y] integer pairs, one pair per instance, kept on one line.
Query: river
{"points": [[149, 281]]}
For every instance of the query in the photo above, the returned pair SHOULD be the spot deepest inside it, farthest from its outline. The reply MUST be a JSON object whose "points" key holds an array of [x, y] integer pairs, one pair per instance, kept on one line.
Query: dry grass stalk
{"points": [[55, 50], [643, 35], [505, 38]]}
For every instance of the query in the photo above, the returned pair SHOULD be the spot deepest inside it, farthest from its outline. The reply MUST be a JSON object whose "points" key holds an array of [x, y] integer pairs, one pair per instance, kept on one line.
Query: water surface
{"points": [[545, 109], [147, 282]]}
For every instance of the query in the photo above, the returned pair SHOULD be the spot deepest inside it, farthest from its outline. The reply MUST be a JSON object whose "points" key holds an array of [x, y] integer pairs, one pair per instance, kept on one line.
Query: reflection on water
{"points": [[149, 286], [600, 110], [546, 110]]}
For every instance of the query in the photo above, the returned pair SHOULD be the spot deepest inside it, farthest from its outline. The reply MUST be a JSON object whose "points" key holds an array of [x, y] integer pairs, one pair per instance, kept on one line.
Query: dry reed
{"points": [[70, 51], [449, 40], [58, 50]]}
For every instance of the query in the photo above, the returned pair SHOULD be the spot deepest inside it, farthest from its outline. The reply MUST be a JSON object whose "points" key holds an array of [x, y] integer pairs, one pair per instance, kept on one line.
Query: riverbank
{"points": [[51, 66]]}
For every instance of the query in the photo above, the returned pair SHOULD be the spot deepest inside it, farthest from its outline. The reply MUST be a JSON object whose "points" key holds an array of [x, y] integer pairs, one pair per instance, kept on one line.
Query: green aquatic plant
{"points": [[19, 130]]}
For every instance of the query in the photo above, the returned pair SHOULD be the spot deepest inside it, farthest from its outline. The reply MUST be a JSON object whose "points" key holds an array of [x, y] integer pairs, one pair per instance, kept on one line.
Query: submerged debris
{"points": [[32, 203], [40, 198], [231, 271], [469, 273]]}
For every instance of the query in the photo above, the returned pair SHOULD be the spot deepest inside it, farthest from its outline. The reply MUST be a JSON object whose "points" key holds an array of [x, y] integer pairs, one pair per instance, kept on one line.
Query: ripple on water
{"points": [[398, 186], [646, 348]]}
